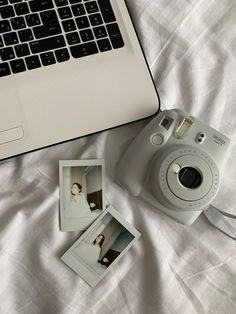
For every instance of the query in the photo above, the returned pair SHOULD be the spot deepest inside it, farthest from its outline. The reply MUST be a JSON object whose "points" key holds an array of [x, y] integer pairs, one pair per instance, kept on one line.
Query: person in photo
{"points": [[90, 253], [79, 206]]}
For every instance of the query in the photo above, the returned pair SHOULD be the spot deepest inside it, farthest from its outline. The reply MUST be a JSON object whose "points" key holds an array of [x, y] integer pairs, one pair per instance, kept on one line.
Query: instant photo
{"points": [[101, 246], [81, 193]]}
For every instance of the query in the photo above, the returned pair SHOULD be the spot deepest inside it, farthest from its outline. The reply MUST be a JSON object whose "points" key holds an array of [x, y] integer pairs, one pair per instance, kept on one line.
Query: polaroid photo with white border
{"points": [[101, 246], [82, 197]]}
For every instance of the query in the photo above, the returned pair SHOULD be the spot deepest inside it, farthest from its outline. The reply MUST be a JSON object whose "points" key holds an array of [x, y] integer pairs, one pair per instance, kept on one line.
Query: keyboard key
{"points": [[21, 8], [4, 26], [61, 3], [86, 35], [107, 11], [73, 38], [15, 1], [47, 44], [7, 54], [4, 69], [47, 58], [78, 9], [100, 32], [32, 62], [32, 19], [6, 12], [84, 50], [75, 1], [3, 2], [26, 35], [82, 22], [69, 25], [1, 42], [95, 19], [40, 5], [10, 39], [22, 50], [91, 7], [48, 29], [62, 55], [115, 35], [17, 66], [104, 45], [18, 23], [64, 13], [48, 16]]}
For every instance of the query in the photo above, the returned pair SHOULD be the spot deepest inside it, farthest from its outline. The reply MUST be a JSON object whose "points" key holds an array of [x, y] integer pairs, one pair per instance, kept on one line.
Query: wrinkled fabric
{"points": [[191, 50]]}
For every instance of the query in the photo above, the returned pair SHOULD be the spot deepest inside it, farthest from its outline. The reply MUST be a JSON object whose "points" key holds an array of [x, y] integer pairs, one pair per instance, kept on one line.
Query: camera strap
{"points": [[224, 222]]}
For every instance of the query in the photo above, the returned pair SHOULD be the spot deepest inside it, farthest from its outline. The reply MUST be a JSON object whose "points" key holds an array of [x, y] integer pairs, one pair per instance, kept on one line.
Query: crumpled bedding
{"points": [[191, 50]]}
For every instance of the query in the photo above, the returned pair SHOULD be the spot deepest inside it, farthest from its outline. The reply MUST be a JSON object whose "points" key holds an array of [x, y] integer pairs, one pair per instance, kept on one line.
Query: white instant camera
{"points": [[174, 164]]}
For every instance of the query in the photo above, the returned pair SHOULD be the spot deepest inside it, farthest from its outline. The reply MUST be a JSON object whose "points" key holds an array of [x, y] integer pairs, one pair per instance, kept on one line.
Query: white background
{"points": [[191, 48]]}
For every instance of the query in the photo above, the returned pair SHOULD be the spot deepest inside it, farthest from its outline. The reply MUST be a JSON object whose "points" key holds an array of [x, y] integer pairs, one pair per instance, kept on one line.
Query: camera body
{"points": [[174, 164]]}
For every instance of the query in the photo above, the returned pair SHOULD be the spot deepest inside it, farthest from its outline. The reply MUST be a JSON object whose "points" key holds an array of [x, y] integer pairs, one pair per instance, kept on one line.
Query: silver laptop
{"points": [[68, 68]]}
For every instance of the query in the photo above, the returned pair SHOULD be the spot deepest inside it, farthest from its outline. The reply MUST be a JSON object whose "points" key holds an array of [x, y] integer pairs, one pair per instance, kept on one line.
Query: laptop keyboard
{"points": [[37, 33]]}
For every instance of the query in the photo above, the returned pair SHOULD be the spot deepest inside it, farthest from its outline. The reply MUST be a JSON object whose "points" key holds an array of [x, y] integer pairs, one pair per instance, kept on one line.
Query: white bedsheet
{"points": [[191, 49]]}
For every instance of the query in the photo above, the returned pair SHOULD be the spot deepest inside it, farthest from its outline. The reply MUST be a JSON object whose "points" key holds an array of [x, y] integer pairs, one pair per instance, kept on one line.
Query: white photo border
{"points": [[75, 264], [82, 223]]}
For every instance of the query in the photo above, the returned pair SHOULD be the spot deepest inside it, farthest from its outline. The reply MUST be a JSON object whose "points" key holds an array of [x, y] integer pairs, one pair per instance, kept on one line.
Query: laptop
{"points": [[68, 68]]}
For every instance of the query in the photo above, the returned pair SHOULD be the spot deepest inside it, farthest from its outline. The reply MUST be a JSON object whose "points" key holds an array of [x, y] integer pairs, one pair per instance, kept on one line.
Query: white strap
{"points": [[222, 221]]}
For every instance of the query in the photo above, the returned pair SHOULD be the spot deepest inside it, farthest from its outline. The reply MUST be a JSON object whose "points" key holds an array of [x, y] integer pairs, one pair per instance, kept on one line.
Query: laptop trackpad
{"points": [[11, 135], [11, 119]]}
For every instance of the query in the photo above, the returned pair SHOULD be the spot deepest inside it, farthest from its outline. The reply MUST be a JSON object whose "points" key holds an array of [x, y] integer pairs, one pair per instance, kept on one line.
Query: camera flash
{"points": [[183, 128]]}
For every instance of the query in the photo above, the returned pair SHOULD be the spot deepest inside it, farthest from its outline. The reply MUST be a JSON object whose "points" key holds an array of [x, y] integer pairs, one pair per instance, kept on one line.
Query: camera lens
{"points": [[190, 177]]}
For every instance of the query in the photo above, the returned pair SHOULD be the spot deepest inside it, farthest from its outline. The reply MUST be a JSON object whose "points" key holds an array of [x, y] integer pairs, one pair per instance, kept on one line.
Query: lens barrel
{"points": [[190, 177]]}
